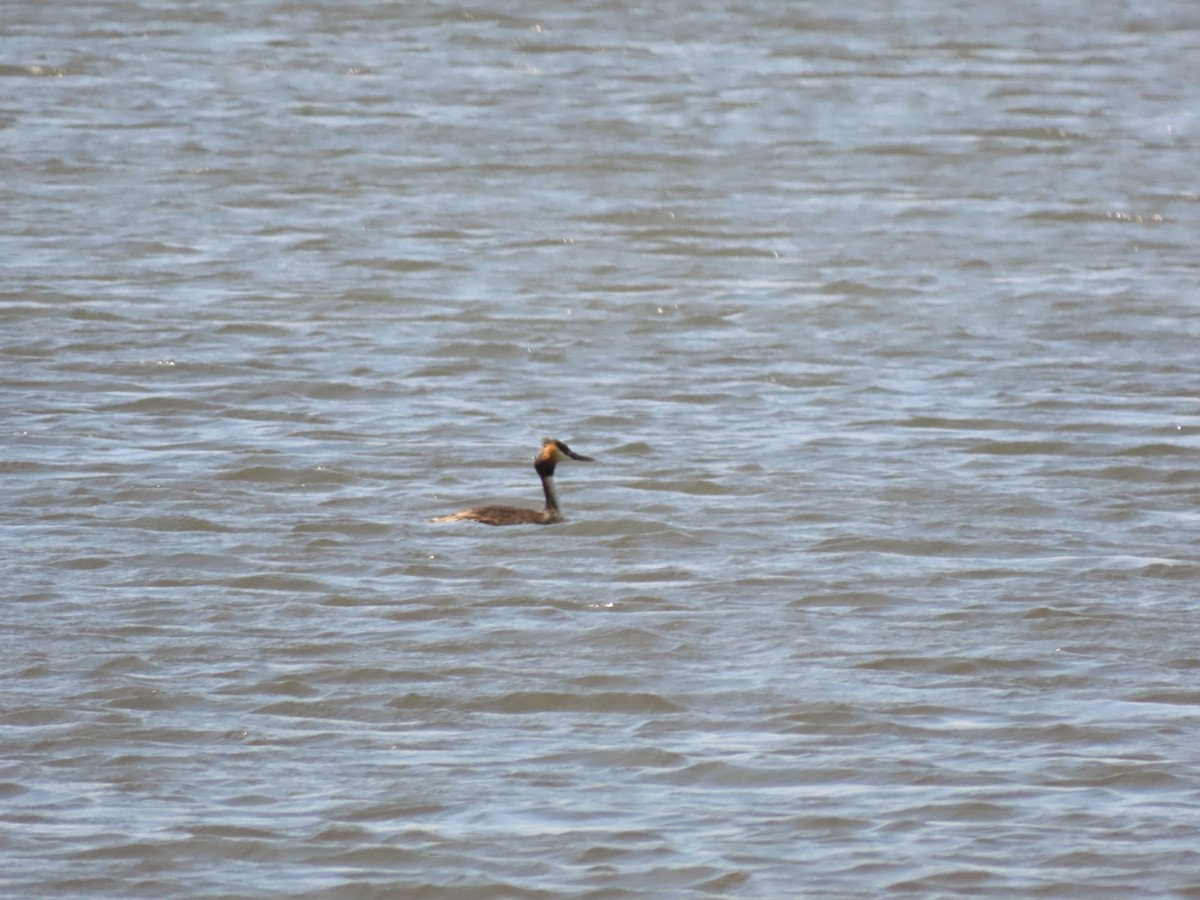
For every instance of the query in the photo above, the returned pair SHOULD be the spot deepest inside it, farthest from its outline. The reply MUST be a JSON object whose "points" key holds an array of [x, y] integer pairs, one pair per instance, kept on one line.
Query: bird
{"points": [[552, 453]]}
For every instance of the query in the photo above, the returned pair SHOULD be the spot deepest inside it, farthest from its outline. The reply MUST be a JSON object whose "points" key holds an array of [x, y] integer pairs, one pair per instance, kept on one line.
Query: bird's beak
{"points": [[579, 456]]}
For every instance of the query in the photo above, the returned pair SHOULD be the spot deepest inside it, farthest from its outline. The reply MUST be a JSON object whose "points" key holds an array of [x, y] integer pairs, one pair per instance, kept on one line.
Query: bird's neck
{"points": [[551, 495]]}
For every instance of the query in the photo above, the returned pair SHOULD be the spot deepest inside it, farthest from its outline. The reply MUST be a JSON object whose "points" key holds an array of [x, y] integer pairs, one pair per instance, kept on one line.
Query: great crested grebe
{"points": [[552, 453]]}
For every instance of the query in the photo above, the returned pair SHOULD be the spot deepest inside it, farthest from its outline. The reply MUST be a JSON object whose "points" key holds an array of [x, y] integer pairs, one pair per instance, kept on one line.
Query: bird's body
{"points": [[552, 453], [504, 515]]}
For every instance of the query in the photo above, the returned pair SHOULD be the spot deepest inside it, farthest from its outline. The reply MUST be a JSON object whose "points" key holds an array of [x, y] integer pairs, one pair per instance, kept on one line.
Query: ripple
{"points": [[615, 702], [177, 523]]}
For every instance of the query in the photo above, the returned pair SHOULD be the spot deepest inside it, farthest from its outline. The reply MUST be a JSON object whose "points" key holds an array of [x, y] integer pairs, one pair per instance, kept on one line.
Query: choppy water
{"points": [[882, 320]]}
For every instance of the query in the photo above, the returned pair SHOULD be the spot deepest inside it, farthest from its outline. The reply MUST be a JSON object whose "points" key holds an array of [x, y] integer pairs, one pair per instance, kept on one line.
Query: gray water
{"points": [[881, 320]]}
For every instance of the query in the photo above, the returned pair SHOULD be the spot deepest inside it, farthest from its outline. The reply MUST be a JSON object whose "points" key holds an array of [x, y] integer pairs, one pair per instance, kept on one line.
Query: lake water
{"points": [[882, 321]]}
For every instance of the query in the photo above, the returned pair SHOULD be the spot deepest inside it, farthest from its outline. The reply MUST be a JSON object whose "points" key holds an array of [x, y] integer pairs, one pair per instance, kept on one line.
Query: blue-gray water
{"points": [[881, 318]]}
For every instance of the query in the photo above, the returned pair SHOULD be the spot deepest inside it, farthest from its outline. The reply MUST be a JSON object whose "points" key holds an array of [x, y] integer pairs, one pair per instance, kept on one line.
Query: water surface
{"points": [[882, 322]]}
